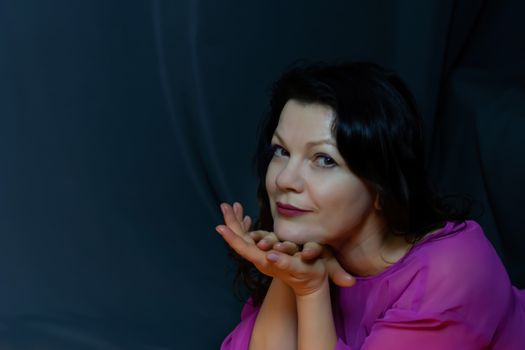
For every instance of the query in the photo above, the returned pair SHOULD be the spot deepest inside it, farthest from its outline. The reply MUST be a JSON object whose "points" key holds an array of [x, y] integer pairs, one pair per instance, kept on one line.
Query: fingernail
{"points": [[272, 257], [350, 280], [223, 209], [219, 229], [307, 251]]}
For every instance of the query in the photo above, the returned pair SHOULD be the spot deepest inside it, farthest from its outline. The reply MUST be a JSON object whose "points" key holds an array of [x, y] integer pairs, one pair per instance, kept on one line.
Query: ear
{"points": [[377, 203]]}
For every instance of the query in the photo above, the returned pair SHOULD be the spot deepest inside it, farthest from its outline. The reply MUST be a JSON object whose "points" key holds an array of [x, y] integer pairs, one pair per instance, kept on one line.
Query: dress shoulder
{"points": [[460, 279], [460, 257]]}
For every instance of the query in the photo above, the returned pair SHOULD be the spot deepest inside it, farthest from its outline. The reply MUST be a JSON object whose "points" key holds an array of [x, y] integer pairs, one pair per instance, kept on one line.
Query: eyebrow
{"points": [[310, 143]]}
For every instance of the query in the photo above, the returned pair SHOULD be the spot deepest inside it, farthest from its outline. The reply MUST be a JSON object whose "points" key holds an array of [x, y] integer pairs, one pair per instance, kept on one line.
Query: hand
{"points": [[235, 234], [263, 239], [311, 254], [312, 251], [303, 271]]}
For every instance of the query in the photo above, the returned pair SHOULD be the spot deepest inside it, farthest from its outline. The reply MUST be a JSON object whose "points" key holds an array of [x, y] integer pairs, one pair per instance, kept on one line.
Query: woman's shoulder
{"points": [[459, 267], [456, 251], [452, 277], [459, 244]]}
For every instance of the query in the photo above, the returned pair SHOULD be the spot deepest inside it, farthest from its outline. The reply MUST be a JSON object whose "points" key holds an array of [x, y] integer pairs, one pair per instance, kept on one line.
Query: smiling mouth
{"points": [[289, 210]]}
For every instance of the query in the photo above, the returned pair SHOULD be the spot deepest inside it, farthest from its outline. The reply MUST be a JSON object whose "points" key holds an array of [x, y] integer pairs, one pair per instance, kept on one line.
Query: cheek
{"points": [[271, 187], [275, 167], [270, 179], [344, 206], [328, 195]]}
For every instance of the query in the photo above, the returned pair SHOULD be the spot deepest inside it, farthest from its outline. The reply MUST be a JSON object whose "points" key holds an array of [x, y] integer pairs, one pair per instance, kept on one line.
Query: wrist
{"points": [[306, 294], [315, 323]]}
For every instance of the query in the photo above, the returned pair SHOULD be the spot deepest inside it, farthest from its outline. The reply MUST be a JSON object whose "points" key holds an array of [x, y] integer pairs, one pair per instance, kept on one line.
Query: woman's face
{"points": [[313, 194]]}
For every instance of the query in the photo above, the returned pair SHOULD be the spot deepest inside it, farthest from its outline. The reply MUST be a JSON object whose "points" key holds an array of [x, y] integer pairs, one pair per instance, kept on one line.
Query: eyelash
{"points": [[275, 149], [332, 163]]}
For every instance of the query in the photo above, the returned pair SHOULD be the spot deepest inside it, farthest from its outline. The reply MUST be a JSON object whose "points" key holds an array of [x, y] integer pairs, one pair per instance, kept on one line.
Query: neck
{"points": [[371, 248]]}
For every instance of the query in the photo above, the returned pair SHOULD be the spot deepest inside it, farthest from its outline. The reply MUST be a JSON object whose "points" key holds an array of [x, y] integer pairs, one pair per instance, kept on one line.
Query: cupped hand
{"points": [[312, 251], [304, 271], [253, 246]]}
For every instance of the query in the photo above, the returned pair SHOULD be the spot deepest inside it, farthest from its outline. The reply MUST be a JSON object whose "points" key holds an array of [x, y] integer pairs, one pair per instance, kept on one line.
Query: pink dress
{"points": [[450, 291]]}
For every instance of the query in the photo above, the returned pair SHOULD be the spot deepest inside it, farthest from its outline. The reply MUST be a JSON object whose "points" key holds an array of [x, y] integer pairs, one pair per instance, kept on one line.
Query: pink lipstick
{"points": [[290, 210]]}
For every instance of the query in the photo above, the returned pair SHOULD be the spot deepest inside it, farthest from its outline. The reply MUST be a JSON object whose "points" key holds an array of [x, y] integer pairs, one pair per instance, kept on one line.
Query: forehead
{"points": [[312, 121]]}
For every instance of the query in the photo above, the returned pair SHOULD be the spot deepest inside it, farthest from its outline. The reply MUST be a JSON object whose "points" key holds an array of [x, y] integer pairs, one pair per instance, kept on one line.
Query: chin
{"points": [[297, 234]]}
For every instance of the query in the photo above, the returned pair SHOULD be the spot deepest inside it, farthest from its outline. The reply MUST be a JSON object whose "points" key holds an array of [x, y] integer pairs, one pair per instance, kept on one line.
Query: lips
{"points": [[289, 210]]}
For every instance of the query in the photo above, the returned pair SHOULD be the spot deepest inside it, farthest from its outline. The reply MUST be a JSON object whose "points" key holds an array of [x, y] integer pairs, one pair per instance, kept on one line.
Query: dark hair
{"points": [[378, 130]]}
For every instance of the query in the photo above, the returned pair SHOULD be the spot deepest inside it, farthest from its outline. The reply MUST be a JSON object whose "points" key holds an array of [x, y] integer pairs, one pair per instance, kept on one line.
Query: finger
{"points": [[223, 229], [231, 220], [337, 274], [311, 251], [242, 245], [247, 223], [238, 210], [268, 241], [282, 261], [286, 247], [257, 235]]}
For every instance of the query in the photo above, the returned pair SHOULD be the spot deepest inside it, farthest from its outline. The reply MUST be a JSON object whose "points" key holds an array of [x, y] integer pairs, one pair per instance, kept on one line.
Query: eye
{"points": [[325, 161], [279, 151]]}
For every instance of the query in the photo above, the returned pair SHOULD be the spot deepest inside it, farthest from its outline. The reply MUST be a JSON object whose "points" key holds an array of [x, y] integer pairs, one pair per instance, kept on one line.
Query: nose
{"points": [[290, 177]]}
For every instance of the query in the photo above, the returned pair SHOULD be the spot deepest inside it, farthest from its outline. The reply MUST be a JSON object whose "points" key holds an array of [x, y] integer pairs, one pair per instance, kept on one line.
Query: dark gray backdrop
{"points": [[123, 124]]}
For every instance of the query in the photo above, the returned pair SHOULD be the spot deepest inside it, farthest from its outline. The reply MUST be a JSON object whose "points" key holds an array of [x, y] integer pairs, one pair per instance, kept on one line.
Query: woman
{"points": [[344, 198]]}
